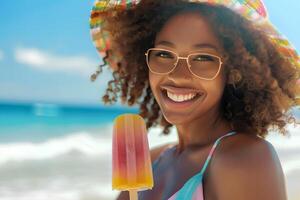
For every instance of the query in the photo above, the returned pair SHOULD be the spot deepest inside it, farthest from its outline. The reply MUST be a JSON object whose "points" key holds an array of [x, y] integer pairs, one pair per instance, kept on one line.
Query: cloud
{"points": [[45, 61], [1, 55]]}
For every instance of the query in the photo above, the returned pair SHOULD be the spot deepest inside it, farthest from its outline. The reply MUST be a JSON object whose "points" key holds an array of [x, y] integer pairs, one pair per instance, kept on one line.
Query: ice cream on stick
{"points": [[131, 162]]}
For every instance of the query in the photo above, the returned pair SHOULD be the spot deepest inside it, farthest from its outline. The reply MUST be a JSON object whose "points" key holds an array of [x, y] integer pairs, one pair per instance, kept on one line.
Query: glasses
{"points": [[203, 65]]}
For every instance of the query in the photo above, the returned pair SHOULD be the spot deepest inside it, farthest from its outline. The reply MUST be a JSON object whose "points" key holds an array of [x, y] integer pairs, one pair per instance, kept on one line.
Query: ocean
{"points": [[63, 152]]}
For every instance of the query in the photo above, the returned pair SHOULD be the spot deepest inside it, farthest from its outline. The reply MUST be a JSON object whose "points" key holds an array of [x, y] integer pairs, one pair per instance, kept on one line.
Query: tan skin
{"points": [[243, 166]]}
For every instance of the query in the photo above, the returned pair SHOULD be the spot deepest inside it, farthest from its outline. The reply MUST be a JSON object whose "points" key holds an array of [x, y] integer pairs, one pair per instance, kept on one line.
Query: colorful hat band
{"points": [[253, 10]]}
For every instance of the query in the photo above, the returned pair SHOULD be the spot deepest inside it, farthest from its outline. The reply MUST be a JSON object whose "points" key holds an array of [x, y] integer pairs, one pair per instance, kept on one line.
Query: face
{"points": [[180, 34]]}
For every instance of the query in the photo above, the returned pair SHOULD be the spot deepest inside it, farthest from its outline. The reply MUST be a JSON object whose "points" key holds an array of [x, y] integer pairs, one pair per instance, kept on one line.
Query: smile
{"points": [[177, 101]]}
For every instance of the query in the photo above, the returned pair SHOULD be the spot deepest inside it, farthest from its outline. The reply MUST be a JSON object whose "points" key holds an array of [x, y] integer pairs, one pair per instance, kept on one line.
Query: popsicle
{"points": [[131, 162]]}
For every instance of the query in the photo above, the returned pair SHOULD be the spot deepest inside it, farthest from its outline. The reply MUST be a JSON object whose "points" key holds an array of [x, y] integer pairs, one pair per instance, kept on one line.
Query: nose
{"points": [[181, 70]]}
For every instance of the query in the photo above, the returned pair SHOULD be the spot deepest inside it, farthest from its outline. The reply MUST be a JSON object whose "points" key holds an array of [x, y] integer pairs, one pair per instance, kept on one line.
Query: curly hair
{"points": [[261, 85]]}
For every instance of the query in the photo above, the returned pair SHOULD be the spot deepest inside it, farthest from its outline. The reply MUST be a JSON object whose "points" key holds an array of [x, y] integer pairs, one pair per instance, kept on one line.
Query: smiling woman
{"points": [[212, 72]]}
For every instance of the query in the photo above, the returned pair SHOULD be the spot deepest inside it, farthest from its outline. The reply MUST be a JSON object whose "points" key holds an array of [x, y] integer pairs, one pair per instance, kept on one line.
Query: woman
{"points": [[212, 70]]}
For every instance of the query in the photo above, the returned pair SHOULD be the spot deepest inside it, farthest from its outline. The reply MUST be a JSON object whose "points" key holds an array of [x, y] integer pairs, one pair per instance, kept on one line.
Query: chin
{"points": [[175, 118]]}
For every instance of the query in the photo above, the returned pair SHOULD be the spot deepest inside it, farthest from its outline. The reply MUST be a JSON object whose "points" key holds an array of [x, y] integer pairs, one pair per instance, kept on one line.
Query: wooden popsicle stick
{"points": [[133, 195]]}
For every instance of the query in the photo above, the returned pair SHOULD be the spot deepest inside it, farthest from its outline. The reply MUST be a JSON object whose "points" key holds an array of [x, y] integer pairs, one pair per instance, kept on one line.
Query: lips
{"points": [[180, 90]]}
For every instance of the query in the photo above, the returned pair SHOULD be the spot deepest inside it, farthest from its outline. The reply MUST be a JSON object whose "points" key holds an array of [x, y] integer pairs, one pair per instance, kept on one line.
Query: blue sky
{"points": [[46, 53]]}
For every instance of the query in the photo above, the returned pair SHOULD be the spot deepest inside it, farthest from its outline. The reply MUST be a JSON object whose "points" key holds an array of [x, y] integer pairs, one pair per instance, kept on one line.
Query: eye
{"points": [[164, 54], [203, 57]]}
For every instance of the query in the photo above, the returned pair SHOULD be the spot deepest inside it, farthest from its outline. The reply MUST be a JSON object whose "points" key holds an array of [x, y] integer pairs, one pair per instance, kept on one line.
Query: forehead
{"points": [[186, 30]]}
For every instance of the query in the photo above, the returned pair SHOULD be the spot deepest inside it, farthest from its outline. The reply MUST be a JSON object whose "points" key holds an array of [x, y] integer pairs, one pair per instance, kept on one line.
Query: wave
{"points": [[81, 143]]}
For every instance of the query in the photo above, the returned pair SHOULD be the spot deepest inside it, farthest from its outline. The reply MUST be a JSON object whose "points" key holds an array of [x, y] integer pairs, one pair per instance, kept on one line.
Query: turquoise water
{"points": [[37, 122]]}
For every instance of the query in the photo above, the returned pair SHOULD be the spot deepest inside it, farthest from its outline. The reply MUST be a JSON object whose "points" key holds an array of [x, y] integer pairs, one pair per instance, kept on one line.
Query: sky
{"points": [[47, 55]]}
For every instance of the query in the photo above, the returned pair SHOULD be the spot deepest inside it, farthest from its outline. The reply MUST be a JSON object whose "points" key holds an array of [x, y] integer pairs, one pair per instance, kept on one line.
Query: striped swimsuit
{"points": [[193, 188]]}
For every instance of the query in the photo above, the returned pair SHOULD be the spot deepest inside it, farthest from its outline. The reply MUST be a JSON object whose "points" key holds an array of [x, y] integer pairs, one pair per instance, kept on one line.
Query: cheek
{"points": [[214, 88]]}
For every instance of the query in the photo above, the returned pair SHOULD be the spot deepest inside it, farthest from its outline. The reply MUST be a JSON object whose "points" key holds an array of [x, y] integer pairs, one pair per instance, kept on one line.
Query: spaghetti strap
{"points": [[212, 151]]}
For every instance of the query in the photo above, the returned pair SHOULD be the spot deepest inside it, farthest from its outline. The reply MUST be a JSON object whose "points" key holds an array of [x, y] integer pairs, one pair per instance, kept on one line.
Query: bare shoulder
{"points": [[247, 167], [154, 152]]}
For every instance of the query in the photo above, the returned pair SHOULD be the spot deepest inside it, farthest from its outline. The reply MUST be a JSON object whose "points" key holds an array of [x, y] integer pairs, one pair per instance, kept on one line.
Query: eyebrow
{"points": [[200, 45]]}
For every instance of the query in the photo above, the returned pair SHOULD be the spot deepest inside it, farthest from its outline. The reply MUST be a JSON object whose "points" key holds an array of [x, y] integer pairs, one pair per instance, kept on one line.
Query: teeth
{"points": [[181, 98]]}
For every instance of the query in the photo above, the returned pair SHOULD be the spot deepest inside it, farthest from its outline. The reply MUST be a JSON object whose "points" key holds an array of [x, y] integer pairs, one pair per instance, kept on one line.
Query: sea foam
{"points": [[81, 142]]}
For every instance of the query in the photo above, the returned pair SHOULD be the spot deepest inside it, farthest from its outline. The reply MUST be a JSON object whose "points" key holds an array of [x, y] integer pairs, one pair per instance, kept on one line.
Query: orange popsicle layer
{"points": [[131, 156]]}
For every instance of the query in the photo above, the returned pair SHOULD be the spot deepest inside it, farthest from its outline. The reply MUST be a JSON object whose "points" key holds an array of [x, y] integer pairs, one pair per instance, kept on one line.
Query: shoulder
{"points": [[247, 167], [156, 151]]}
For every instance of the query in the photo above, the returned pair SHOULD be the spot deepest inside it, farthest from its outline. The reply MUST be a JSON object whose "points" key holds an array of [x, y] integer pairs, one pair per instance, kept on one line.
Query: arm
{"points": [[252, 172], [155, 152]]}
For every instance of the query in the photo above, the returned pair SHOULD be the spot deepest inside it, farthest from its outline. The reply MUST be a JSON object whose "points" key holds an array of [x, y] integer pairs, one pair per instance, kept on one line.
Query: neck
{"points": [[202, 131]]}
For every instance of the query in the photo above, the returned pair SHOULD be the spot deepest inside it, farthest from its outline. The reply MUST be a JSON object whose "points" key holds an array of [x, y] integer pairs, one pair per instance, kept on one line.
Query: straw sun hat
{"points": [[254, 10]]}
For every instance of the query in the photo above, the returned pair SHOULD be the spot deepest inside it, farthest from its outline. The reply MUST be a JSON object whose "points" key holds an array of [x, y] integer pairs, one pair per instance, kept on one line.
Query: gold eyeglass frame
{"points": [[185, 58]]}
